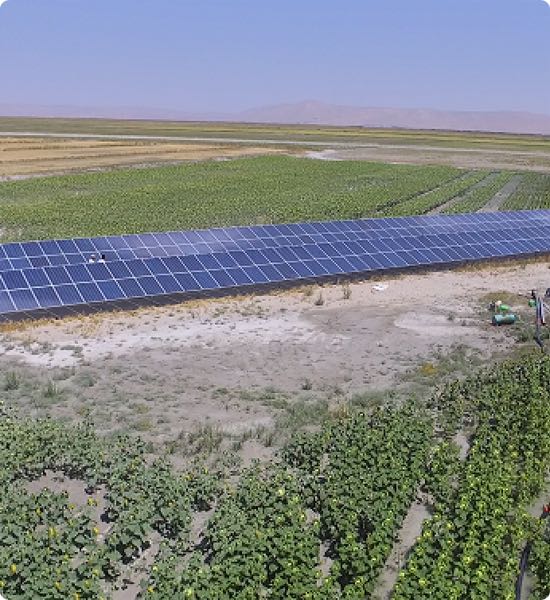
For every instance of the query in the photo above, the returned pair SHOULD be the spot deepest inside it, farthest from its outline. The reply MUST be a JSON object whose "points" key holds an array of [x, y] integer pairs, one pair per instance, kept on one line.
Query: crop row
{"points": [[479, 196], [57, 548], [345, 490], [427, 201], [237, 192], [539, 562], [471, 546], [319, 523], [533, 192]]}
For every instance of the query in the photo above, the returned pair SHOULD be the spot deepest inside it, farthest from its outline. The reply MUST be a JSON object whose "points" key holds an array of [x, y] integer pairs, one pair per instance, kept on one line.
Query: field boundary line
{"points": [[476, 186], [502, 195]]}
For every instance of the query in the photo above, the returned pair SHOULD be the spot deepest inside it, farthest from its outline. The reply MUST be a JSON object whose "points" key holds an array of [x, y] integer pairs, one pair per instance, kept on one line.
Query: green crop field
{"points": [[478, 197], [244, 191], [267, 189], [317, 524], [533, 192]]}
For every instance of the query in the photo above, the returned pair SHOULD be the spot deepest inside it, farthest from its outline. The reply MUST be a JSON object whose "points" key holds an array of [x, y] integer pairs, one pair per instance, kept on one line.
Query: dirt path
{"points": [[501, 196], [443, 207], [267, 141], [410, 530]]}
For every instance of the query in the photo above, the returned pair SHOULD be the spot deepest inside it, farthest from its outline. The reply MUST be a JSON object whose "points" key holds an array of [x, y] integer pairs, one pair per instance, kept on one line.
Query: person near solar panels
{"points": [[540, 318]]}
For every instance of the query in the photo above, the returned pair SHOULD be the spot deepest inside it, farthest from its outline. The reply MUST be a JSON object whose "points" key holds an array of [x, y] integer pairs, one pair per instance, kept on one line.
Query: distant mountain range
{"points": [[316, 113]]}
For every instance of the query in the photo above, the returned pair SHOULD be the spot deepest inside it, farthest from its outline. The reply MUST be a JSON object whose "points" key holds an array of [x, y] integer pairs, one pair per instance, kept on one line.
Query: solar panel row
{"points": [[60, 289], [36, 254]]}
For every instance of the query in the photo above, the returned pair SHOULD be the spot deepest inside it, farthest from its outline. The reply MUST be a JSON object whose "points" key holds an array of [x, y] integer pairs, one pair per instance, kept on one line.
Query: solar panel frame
{"points": [[396, 244], [71, 251]]}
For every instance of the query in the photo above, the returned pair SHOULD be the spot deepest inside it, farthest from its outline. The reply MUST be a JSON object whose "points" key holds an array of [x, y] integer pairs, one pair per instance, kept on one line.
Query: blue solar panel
{"points": [[462, 228], [13, 280], [47, 297], [188, 282], [151, 286], [35, 277], [169, 284], [69, 295], [91, 292], [6, 304], [14, 251], [38, 261], [247, 256], [58, 275], [110, 290], [24, 300], [131, 288]]}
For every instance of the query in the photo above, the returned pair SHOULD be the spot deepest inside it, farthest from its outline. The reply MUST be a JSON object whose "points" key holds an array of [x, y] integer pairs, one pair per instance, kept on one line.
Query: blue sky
{"points": [[228, 55]]}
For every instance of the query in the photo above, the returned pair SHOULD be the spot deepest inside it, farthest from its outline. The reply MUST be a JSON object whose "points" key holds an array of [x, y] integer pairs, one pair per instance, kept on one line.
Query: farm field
{"points": [[458, 149], [346, 441], [265, 189], [381, 487], [458, 156], [295, 133], [533, 192], [481, 195], [23, 157], [242, 191]]}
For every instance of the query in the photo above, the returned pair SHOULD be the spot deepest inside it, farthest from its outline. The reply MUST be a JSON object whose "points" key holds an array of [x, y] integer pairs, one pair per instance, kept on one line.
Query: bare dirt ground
{"points": [[23, 157], [248, 369], [469, 158]]}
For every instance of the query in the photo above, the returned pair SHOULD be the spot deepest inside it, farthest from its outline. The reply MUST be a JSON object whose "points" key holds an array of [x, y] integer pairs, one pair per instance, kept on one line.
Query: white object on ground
{"points": [[380, 287]]}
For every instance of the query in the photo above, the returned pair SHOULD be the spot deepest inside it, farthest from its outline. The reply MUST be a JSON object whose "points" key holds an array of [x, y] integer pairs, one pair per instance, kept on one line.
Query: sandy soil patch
{"points": [[237, 365], [455, 157]]}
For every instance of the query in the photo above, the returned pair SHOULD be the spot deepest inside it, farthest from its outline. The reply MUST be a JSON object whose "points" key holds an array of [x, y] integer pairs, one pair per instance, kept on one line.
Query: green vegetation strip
{"points": [[479, 197], [533, 192], [351, 489], [319, 523], [434, 198], [539, 561], [51, 547], [471, 546], [238, 192]]}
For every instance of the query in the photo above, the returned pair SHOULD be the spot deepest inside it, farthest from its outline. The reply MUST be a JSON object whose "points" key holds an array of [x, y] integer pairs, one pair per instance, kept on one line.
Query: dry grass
{"points": [[32, 156]]}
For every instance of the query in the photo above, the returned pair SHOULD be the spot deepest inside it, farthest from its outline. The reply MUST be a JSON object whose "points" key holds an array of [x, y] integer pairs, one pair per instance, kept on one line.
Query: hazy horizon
{"points": [[215, 57]]}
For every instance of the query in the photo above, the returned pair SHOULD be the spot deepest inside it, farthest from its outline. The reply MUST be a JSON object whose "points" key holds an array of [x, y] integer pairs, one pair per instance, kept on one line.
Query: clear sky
{"points": [[228, 55]]}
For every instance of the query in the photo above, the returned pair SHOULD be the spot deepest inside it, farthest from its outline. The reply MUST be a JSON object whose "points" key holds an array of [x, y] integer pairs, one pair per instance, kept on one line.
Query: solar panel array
{"points": [[56, 276]]}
